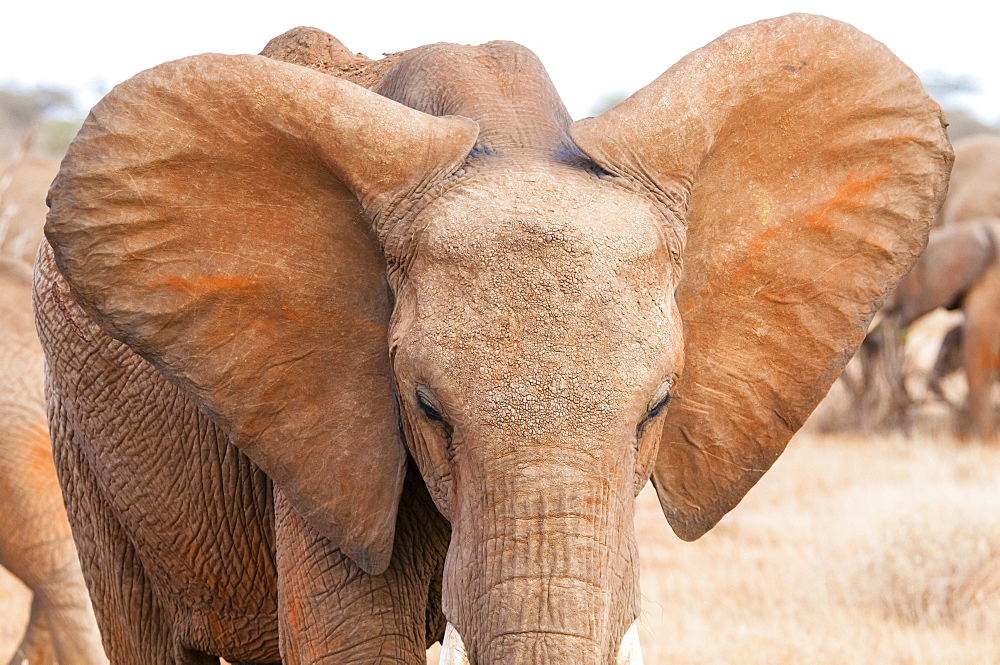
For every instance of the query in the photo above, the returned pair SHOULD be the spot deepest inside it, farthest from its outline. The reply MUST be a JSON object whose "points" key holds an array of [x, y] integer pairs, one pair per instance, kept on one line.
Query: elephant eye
{"points": [[432, 412], [424, 401], [655, 409]]}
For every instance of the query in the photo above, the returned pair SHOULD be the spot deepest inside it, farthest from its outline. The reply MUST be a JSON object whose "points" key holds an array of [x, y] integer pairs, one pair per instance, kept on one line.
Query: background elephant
{"points": [[953, 273], [343, 351], [974, 190], [973, 197], [36, 544], [960, 269], [957, 273]]}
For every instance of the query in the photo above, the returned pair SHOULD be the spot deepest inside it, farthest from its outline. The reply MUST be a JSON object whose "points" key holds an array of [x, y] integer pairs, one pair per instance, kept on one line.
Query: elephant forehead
{"points": [[552, 213], [549, 308], [504, 254]]}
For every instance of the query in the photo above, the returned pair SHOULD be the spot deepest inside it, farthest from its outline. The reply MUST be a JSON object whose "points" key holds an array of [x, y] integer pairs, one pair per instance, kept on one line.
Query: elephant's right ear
{"points": [[808, 162], [211, 214]]}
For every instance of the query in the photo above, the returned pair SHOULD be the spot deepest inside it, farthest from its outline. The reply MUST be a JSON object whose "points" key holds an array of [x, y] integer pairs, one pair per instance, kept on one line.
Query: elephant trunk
{"points": [[543, 566], [453, 650]]}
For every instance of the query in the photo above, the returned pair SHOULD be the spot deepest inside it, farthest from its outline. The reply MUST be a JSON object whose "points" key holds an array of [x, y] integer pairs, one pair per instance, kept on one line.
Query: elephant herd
{"points": [[344, 357]]}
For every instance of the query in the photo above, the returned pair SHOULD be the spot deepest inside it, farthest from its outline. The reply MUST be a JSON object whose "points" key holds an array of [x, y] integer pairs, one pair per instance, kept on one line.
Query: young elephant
{"points": [[326, 361], [35, 543]]}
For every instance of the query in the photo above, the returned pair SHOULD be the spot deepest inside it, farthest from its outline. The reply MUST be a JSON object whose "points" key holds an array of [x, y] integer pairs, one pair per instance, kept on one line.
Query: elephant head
{"points": [[541, 313]]}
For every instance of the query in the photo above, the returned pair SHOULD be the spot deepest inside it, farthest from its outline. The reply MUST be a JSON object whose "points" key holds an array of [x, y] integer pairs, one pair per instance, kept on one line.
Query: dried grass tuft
{"points": [[939, 564]]}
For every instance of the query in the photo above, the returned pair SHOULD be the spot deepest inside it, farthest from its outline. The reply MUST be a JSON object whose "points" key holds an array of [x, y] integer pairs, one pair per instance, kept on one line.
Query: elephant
{"points": [[956, 273], [876, 385], [346, 357], [974, 190], [36, 544], [973, 196], [960, 269]]}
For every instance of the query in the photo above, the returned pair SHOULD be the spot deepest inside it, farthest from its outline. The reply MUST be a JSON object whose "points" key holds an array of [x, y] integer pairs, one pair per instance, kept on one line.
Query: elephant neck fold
{"points": [[501, 85]]}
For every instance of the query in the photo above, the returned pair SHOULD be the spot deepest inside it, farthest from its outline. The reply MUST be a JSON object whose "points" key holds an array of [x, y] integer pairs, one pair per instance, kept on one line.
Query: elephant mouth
{"points": [[453, 650]]}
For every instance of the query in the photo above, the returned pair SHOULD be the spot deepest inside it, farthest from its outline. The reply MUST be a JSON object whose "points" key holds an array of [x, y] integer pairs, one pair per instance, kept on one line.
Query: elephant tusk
{"points": [[629, 653], [453, 649]]}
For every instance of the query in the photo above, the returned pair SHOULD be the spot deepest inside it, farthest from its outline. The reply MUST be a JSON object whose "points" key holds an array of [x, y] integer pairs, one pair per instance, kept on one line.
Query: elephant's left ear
{"points": [[809, 163], [211, 214]]}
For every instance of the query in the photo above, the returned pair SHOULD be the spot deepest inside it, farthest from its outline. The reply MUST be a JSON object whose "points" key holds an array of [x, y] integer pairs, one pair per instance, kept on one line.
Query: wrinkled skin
{"points": [[325, 378], [960, 270], [36, 544]]}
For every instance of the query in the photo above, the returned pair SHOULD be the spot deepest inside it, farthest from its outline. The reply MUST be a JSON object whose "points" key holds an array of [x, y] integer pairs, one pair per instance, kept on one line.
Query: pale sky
{"points": [[591, 49]]}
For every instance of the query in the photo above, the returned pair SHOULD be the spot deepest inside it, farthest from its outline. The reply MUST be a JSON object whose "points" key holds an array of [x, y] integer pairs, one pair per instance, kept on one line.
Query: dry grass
{"points": [[849, 551]]}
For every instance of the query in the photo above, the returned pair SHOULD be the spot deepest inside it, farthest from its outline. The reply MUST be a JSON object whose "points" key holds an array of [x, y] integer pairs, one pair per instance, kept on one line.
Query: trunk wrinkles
{"points": [[543, 567]]}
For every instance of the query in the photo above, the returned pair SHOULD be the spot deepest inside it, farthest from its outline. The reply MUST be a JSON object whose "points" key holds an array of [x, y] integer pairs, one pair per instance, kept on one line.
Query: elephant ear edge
{"points": [[808, 163], [214, 213]]}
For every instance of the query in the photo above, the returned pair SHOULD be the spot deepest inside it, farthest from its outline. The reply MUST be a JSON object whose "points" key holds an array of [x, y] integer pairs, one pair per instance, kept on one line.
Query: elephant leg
{"points": [[130, 618], [948, 361], [38, 548], [333, 612], [982, 351], [62, 627]]}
